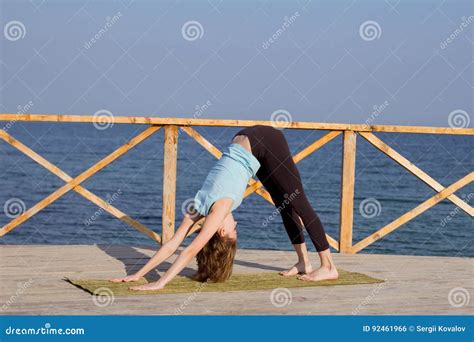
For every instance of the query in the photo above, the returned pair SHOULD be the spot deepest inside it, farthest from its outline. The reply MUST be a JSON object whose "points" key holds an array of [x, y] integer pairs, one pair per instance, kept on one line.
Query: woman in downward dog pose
{"points": [[261, 148]]}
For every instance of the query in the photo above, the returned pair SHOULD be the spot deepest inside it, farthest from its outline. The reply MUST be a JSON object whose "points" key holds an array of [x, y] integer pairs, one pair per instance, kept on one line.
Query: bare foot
{"points": [[322, 273], [147, 287], [298, 268]]}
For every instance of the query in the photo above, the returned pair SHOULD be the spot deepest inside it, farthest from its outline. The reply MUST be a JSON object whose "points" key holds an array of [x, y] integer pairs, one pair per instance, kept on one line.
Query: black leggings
{"points": [[279, 175]]}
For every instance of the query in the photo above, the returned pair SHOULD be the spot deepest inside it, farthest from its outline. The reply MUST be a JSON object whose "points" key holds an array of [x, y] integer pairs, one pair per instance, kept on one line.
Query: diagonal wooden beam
{"points": [[416, 171], [332, 242], [255, 186], [208, 146], [78, 180], [413, 213], [79, 189], [316, 145]]}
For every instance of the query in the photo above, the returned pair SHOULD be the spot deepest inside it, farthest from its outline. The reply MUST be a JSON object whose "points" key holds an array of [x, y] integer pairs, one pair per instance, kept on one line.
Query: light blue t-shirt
{"points": [[227, 179]]}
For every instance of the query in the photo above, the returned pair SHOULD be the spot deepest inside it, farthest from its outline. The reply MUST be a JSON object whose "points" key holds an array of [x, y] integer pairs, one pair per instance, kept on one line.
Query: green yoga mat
{"points": [[238, 282]]}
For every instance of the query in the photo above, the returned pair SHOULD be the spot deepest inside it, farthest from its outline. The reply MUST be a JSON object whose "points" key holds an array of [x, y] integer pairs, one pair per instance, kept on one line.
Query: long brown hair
{"points": [[216, 259]]}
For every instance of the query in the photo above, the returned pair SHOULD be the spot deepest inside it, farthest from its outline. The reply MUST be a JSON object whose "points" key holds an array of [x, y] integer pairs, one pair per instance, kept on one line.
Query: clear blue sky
{"points": [[321, 66]]}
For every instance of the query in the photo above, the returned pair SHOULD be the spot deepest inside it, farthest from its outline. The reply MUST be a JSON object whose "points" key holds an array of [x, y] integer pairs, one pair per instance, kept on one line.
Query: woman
{"points": [[215, 245], [279, 175], [255, 148]]}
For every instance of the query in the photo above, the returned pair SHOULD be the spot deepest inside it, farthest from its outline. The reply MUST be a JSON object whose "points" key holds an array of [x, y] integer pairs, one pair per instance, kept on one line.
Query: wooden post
{"points": [[347, 192], [170, 156]]}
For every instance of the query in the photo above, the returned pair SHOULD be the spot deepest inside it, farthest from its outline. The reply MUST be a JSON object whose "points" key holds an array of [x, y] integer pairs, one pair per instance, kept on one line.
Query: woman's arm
{"points": [[219, 211], [165, 251]]}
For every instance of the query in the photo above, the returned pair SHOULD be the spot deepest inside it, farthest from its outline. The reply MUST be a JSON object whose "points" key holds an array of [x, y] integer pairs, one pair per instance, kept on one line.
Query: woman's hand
{"points": [[147, 287], [127, 279]]}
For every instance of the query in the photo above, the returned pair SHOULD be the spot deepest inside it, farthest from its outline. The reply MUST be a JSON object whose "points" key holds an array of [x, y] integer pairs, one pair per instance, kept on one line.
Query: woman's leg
{"points": [[283, 182], [287, 185], [292, 224], [310, 219], [303, 265], [312, 223], [281, 178]]}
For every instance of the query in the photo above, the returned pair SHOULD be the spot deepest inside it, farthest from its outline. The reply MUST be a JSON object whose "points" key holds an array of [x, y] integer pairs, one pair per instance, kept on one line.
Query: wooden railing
{"points": [[349, 133]]}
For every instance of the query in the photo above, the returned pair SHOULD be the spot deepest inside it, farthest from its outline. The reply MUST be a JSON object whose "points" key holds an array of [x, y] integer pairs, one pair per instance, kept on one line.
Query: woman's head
{"points": [[216, 259]]}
